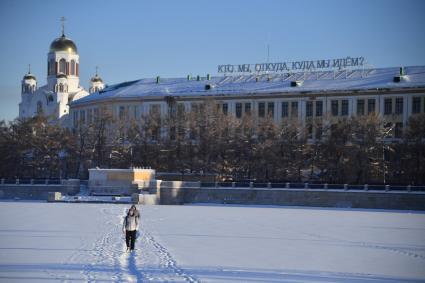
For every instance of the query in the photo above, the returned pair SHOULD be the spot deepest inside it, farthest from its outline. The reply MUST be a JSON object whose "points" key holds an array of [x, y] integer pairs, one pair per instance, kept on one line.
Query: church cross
{"points": [[63, 25]]}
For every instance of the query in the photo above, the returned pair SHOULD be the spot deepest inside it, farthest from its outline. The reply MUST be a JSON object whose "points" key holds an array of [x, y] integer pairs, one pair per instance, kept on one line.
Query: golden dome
{"points": [[96, 79], [29, 76], [63, 44]]}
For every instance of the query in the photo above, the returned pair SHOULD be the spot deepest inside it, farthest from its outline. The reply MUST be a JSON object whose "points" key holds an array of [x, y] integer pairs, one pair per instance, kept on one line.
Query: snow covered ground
{"points": [[62, 242]]}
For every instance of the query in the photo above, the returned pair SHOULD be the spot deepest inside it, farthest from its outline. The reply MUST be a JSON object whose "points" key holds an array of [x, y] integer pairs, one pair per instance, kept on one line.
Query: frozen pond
{"points": [[61, 242]]}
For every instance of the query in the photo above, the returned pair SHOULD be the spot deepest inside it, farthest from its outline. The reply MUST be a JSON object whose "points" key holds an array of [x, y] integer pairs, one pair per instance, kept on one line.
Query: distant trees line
{"points": [[354, 150]]}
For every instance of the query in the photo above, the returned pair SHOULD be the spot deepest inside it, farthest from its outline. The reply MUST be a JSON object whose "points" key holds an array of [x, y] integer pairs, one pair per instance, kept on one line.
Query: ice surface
{"points": [[62, 242]]}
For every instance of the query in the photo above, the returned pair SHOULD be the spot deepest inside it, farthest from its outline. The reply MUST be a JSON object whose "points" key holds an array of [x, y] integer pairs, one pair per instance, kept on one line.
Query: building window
{"points": [[155, 109], [121, 113], [334, 107], [370, 105], [75, 118], [261, 109], [180, 111], [360, 107], [83, 117], [399, 105], [294, 109], [416, 105], [285, 110], [225, 108], [398, 130], [72, 67], [90, 116], [135, 112], [344, 107], [62, 66], [388, 106], [248, 108], [238, 110], [319, 108], [309, 109], [96, 114], [52, 66], [270, 109]]}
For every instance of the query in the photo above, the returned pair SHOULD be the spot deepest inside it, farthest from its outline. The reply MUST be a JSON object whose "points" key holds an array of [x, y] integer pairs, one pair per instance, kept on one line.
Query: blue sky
{"points": [[135, 39]]}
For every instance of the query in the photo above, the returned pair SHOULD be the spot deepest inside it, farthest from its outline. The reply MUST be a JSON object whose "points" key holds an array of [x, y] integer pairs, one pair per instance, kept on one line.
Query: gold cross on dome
{"points": [[63, 25]]}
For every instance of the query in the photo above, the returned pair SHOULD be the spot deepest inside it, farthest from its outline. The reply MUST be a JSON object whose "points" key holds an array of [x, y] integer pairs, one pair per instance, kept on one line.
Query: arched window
{"points": [[52, 66], [62, 66], [73, 67], [60, 87]]}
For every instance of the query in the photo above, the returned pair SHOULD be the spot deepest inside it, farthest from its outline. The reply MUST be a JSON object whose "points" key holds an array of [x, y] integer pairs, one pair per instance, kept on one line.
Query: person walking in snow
{"points": [[130, 225]]}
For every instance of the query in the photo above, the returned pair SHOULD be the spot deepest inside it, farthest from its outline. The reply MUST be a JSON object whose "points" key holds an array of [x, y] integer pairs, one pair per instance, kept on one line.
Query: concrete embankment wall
{"points": [[38, 191], [294, 197]]}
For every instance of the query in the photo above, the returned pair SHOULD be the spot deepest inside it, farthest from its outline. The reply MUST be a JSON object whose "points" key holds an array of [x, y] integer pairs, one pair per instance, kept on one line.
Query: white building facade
{"points": [[318, 99]]}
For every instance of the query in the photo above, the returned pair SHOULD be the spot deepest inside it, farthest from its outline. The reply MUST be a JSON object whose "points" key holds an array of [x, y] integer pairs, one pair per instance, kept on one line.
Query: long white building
{"points": [[312, 98]]}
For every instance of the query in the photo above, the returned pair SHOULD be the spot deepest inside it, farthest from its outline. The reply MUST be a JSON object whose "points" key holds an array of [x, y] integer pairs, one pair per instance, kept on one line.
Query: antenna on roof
{"points": [[97, 67], [29, 68], [268, 47], [63, 25]]}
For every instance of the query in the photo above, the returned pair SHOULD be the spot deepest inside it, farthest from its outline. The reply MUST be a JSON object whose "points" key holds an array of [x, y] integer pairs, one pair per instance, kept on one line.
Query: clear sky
{"points": [[135, 39]]}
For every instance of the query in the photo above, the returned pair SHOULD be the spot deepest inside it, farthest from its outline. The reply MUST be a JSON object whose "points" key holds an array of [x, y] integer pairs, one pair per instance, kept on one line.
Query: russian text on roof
{"points": [[63, 44]]}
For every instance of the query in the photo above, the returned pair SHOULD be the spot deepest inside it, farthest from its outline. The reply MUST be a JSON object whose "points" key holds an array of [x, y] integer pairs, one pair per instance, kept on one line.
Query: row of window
{"points": [[83, 116], [316, 131], [67, 68], [61, 87], [388, 106], [27, 88], [288, 108]]}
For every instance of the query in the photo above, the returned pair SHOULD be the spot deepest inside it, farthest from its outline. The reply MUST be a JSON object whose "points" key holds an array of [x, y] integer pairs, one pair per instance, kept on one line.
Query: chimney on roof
{"points": [[157, 79], [296, 83], [189, 77], [198, 77], [401, 76], [208, 77]]}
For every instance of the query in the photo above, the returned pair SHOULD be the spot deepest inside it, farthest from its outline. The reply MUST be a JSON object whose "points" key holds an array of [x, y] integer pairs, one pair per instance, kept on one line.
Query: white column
{"points": [[407, 108]]}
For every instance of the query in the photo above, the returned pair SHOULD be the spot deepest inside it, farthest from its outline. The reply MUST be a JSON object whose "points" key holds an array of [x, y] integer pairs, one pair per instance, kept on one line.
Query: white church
{"points": [[63, 84]]}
